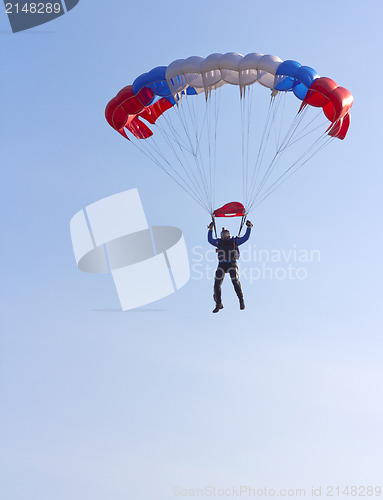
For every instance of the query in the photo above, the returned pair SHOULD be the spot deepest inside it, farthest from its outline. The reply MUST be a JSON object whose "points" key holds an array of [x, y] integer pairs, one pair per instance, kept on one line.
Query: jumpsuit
{"points": [[227, 257]]}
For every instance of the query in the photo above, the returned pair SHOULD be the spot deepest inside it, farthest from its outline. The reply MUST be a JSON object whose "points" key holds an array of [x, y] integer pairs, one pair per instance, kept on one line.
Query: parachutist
{"points": [[228, 254]]}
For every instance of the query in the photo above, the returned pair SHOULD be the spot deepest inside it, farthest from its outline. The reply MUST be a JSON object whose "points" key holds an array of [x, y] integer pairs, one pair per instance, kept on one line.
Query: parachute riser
{"points": [[215, 228], [243, 220], [242, 224]]}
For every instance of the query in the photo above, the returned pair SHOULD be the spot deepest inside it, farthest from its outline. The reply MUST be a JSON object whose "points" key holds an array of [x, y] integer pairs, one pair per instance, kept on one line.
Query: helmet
{"points": [[225, 233]]}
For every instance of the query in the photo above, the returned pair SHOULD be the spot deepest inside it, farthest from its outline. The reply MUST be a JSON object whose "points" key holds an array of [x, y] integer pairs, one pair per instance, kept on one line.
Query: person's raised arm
{"points": [[246, 236], [210, 238]]}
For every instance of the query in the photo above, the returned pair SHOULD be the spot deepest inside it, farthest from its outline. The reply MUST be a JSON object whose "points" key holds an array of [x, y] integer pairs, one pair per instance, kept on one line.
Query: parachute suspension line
{"points": [[249, 100], [273, 128], [182, 159], [212, 104], [268, 172], [192, 112], [264, 142], [256, 190], [206, 170], [209, 141], [194, 124], [245, 105], [261, 150], [293, 128], [190, 174], [199, 130], [275, 112], [169, 140], [321, 125], [243, 136], [287, 142], [283, 98], [159, 164], [182, 150], [182, 111], [175, 137], [195, 135], [302, 160], [217, 103], [324, 140], [175, 174]]}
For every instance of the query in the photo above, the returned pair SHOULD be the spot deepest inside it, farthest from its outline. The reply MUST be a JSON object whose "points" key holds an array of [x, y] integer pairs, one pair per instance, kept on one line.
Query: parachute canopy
{"points": [[163, 113]]}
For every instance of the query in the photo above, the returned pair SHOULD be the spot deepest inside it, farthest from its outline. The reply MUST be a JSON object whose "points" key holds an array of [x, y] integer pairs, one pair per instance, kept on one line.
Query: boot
{"points": [[241, 303], [218, 307]]}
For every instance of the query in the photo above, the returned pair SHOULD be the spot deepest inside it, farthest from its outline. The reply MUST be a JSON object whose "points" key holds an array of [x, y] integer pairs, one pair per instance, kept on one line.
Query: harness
{"points": [[228, 250]]}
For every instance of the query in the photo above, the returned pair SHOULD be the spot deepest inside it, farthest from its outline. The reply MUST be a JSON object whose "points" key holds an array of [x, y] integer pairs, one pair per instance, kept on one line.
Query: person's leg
{"points": [[237, 285], [219, 275]]}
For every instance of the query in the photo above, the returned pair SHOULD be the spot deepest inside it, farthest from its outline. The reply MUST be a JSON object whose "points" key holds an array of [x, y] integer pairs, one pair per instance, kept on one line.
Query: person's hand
{"points": [[210, 226], [249, 224]]}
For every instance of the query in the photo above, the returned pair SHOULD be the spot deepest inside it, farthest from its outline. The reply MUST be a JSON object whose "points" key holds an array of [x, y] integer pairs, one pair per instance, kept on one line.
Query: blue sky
{"points": [[100, 404]]}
